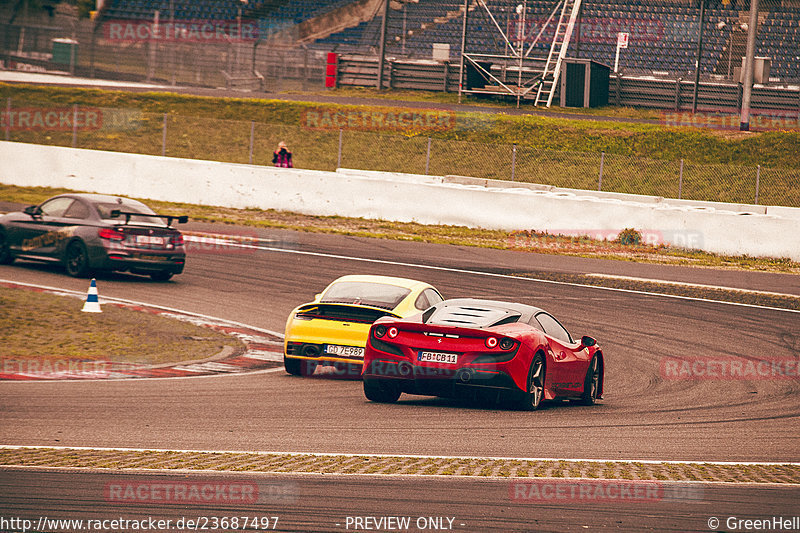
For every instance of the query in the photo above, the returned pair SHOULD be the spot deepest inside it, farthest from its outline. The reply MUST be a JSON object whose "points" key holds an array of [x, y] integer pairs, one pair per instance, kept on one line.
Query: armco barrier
{"points": [[404, 198]]}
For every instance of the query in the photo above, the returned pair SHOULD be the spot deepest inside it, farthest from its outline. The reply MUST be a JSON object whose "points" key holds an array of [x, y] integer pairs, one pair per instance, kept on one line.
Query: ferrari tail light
{"points": [[506, 344], [177, 240], [392, 332], [380, 331], [111, 234], [491, 342]]}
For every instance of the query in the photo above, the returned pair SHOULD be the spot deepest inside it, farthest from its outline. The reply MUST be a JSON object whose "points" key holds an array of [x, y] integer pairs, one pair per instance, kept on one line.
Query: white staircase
{"points": [[558, 50]]}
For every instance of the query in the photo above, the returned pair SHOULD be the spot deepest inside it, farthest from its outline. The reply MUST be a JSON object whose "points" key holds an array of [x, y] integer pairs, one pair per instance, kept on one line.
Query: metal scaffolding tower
{"points": [[526, 68]]}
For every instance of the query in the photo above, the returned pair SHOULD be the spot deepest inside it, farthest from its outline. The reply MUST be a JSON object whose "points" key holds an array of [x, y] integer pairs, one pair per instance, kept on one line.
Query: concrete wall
{"points": [[405, 198]]}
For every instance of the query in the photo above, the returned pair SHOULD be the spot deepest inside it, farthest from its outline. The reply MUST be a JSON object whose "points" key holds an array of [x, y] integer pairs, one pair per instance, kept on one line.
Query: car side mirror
{"points": [[32, 210], [587, 342], [317, 296]]}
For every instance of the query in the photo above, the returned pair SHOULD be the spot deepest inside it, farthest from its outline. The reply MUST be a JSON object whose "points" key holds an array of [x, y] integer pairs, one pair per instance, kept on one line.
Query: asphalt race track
{"points": [[642, 417], [315, 503]]}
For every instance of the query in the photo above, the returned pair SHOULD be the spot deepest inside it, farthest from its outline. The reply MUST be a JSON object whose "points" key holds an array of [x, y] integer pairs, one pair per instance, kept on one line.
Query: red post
{"points": [[331, 70]]}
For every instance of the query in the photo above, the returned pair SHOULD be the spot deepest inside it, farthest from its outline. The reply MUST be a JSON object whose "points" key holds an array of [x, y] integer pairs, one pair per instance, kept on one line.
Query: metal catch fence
{"points": [[134, 131]]}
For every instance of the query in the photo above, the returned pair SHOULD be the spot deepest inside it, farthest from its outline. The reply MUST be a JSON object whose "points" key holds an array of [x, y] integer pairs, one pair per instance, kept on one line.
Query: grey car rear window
{"points": [[104, 210]]}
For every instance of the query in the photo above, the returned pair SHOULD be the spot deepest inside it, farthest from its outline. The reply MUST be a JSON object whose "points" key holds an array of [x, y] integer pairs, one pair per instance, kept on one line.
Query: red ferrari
{"points": [[502, 349]]}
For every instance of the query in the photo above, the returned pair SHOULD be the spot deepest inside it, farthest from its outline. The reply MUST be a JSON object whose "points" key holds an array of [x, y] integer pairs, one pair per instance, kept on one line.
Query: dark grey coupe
{"points": [[88, 232]]}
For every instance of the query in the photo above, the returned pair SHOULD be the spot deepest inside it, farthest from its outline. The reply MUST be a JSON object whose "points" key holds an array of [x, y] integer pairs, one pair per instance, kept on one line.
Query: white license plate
{"points": [[344, 351], [148, 240], [438, 357]]}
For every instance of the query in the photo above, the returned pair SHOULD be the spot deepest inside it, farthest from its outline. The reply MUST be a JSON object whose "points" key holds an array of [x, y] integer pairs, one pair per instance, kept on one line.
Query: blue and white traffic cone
{"points": [[92, 304]]}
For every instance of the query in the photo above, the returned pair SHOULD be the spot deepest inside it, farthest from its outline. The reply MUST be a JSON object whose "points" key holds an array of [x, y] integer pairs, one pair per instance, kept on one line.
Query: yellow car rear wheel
{"points": [[299, 367]]}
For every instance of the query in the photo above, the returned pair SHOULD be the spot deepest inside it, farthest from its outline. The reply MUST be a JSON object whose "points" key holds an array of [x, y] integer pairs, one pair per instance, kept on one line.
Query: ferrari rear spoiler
{"points": [[116, 213], [439, 330]]}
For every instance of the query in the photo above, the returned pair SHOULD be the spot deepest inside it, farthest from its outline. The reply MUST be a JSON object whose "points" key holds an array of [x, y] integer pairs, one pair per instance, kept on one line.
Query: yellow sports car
{"points": [[333, 328]]}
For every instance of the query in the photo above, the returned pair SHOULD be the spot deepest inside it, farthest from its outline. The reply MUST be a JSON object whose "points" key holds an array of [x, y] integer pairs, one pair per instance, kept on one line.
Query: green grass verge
{"points": [[779, 149], [490, 103], [453, 235], [639, 158], [45, 328]]}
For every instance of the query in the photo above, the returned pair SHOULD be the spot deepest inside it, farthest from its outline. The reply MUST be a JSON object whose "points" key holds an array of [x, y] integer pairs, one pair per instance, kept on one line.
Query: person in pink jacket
{"points": [[282, 157]]}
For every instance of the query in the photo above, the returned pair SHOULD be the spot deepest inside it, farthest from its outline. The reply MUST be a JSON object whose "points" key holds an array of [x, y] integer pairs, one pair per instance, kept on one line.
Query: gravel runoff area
{"points": [[300, 463]]}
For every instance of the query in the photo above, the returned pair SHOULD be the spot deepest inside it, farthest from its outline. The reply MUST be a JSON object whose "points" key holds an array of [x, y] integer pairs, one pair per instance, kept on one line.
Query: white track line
{"points": [[693, 285], [507, 276], [144, 379], [400, 456], [104, 299], [144, 304]]}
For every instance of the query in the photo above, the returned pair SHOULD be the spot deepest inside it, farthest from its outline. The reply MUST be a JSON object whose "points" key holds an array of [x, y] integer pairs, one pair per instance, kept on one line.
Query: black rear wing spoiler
{"points": [[116, 213]]}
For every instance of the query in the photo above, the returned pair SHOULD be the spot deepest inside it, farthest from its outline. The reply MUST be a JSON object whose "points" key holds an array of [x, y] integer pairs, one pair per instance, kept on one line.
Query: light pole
{"points": [[699, 55], [238, 41], [747, 93], [175, 42], [521, 11], [404, 30], [382, 49], [463, 49]]}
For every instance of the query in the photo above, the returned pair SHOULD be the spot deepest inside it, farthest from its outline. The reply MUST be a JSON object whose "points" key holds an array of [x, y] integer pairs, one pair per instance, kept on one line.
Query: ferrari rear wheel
{"points": [[591, 385], [381, 391], [76, 259], [5, 252], [532, 399]]}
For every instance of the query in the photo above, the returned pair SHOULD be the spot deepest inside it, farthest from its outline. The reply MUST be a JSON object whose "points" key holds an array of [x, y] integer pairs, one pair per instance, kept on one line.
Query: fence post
{"points": [[739, 95], [678, 94], [339, 159], [798, 106], [428, 157], [8, 119], [680, 182], [600, 180], [513, 161], [164, 137], [74, 125], [758, 182], [252, 135], [305, 68]]}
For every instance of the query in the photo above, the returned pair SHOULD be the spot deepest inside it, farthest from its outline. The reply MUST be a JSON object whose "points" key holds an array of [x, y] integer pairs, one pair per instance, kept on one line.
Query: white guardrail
{"points": [[453, 200]]}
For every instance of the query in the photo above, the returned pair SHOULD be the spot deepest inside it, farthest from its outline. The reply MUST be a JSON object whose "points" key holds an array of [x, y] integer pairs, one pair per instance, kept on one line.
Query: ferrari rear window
{"points": [[365, 293], [475, 317]]}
